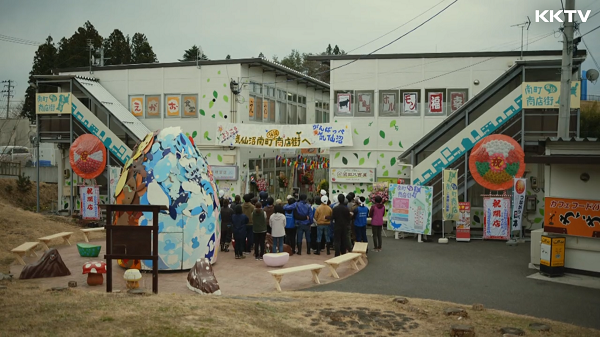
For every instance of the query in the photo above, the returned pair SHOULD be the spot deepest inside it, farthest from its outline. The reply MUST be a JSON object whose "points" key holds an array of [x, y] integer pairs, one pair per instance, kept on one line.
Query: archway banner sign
{"points": [[274, 136]]}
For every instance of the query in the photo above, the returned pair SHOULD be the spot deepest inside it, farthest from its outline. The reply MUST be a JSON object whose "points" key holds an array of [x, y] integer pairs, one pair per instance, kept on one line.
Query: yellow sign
{"points": [[558, 252], [265, 110], [546, 95], [153, 106], [54, 103], [136, 105], [173, 106], [546, 251], [251, 109]]}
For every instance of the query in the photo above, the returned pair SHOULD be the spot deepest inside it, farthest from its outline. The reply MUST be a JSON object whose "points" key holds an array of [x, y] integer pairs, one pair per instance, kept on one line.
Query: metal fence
{"points": [[8, 168]]}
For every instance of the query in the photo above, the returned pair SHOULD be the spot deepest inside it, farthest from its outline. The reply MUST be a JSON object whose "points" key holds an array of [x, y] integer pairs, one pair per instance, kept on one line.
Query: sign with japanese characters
{"points": [[190, 105], [389, 103], [463, 224], [344, 103], [572, 217], [546, 95], [364, 102], [410, 102], [90, 197], [436, 102], [496, 218], [172, 105], [457, 99], [224, 172], [153, 106], [275, 136], [136, 105], [410, 209], [266, 109], [450, 195], [518, 202], [56, 103], [353, 175], [251, 108]]}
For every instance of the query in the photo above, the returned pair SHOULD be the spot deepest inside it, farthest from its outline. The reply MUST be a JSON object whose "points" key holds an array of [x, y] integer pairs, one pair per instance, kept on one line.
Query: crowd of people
{"points": [[318, 222]]}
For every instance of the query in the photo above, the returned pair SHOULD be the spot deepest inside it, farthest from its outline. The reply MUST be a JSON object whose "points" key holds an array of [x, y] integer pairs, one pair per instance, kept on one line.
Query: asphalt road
{"points": [[487, 272]]}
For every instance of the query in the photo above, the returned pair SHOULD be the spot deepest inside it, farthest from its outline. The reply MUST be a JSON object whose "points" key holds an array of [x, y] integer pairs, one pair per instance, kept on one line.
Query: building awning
{"points": [[571, 156]]}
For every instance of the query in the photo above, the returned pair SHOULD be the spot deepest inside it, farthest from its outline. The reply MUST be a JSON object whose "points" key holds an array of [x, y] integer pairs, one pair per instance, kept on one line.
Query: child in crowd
{"points": [[360, 221], [259, 226], [277, 223], [239, 221], [376, 213]]}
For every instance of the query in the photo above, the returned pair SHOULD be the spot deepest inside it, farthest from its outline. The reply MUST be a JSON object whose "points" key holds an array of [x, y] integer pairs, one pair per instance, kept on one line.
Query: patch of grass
{"points": [[106, 319]]}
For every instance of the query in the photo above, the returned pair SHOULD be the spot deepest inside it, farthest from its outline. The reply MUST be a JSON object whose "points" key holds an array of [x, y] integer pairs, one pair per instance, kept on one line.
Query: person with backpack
{"points": [[360, 221], [239, 221], [302, 214], [376, 213], [290, 223]]}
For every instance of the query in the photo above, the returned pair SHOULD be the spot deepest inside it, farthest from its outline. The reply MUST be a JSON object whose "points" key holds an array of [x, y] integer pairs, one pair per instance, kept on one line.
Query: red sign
{"points": [[457, 99], [436, 100], [463, 225]]}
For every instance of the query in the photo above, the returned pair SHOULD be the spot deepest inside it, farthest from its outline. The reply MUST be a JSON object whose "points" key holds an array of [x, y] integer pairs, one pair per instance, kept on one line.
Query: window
{"points": [[435, 102], [292, 114], [365, 103], [301, 115], [456, 98], [318, 116], [282, 112], [258, 114], [344, 103], [272, 112], [410, 102], [388, 103]]}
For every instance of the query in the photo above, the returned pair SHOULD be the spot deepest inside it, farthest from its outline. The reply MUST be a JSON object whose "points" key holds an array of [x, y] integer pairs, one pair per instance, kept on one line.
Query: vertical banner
{"points": [[496, 218], [344, 103], [411, 208], [251, 108], [463, 225], [90, 197], [114, 173], [265, 110], [450, 195], [518, 203], [409, 104], [436, 100]]}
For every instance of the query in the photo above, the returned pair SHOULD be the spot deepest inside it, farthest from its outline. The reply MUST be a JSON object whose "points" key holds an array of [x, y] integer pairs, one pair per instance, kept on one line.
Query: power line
{"points": [[395, 29], [590, 52], [590, 31], [11, 39]]}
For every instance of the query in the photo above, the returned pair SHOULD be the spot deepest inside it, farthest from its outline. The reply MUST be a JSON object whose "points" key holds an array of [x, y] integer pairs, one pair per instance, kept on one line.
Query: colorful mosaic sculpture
{"points": [[167, 169], [495, 161]]}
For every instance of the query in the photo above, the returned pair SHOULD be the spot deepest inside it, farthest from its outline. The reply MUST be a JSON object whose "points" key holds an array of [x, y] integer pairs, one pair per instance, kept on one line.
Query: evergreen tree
{"points": [[192, 53], [228, 57], [116, 48], [141, 51], [336, 50], [328, 50], [74, 51], [261, 55], [43, 63], [294, 60]]}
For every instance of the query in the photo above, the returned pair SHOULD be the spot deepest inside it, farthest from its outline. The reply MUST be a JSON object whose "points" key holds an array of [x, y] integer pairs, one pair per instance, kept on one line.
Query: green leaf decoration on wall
{"points": [[538, 220], [390, 143], [399, 172], [219, 72], [382, 155], [225, 98], [206, 136], [386, 173], [213, 116], [369, 155], [194, 134], [344, 160], [355, 131], [361, 161], [541, 211], [336, 155], [203, 96], [382, 134], [208, 80], [220, 114], [393, 161], [370, 123], [208, 155], [224, 85], [377, 161], [202, 112], [392, 123], [366, 142], [210, 104], [383, 167], [219, 158], [400, 144], [356, 155], [215, 94]]}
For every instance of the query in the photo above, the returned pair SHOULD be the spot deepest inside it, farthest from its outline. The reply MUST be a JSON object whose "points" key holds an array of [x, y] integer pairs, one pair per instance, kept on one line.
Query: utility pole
{"points": [[564, 113], [8, 95], [90, 47]]}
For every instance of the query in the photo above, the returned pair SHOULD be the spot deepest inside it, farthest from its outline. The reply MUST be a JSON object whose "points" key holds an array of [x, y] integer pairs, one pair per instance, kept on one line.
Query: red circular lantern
{"points": [[87, 156], [495, 161]]}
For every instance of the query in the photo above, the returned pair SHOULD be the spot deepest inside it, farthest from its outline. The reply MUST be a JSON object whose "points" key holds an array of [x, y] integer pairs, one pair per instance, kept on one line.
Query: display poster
{"points": [[114, 173], [344, 103], [436, 102], [457, 99], [190, 105], [265, 110], [173, 105], [576, 217], [389, 103], [364, 102], [496, 218], [54, 103], [251, 108], [274, 136], [518, 202], [153, 106], [450, 195], [136, 105], [225, 172], [546, 95], [463, 225], [352, 175], [90, 197], [410, 102], [410, 210]]}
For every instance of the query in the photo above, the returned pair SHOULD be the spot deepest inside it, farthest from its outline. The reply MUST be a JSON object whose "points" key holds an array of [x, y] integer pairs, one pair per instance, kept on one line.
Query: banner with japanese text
{"points": [[274, 136], [576, 217], [518, 202], [546, 95], [410, 210], [55, 103], [352, 175], [450, 195], [463, 225], [90, 197], [496, 218]]}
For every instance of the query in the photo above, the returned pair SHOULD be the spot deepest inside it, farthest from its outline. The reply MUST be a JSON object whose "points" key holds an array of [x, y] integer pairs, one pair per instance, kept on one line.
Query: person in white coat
{"points": [[277, 223]]}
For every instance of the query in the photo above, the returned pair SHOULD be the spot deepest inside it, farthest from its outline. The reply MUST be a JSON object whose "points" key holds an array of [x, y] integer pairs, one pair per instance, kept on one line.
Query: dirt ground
{"points": [[33, 311], [10, 194]]}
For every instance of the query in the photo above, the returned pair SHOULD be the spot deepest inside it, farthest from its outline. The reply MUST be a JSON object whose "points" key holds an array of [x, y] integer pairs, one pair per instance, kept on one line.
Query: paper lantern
{"points": [[87, 156], [495, 161]]}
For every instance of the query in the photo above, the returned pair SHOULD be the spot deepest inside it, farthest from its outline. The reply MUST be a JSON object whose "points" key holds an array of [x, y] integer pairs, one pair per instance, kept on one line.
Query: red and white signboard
{"points": [[364, 102], [436, 102], [496, 218], [463, 225], [389, 103], [410, 102], [457, 99], [90, 197]]}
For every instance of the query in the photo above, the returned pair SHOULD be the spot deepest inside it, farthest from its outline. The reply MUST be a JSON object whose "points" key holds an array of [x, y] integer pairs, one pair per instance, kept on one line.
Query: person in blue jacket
{"points": [[360, 221], [290, 223], [239, 221], [303, 222]]}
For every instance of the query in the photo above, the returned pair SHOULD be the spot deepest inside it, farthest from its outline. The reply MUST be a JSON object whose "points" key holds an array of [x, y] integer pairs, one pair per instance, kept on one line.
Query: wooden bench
{"points": [[64, 235], [361, 248], [278, 274], [26, 249], [87, 231], [334, 263]]}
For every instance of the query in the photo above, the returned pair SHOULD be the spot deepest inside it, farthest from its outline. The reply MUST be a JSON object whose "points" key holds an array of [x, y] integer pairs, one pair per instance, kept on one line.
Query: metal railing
{"points": [[9, 168], [593, 98]]}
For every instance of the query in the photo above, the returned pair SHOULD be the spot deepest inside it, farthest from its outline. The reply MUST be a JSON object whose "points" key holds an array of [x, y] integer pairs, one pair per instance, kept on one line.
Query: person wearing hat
{"points": [[322, 217], [360, 221], [341, 218]]}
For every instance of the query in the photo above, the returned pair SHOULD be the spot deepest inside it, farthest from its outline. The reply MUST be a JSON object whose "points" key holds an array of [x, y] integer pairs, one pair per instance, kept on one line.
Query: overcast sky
{"points": [[246, 28]]}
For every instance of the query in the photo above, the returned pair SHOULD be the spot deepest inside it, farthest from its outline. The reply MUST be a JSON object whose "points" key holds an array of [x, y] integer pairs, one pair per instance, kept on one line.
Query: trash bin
{"points": [[552, 260]]}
